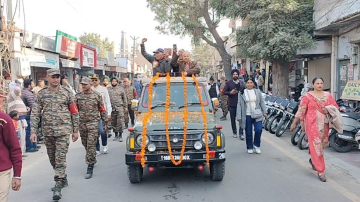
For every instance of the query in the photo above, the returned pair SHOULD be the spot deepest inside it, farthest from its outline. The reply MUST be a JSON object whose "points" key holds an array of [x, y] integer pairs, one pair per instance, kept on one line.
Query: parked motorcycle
{"points": [[275, 110], [281, 113], [287, 118], [351, 133], [270, 110], [296, 134]]}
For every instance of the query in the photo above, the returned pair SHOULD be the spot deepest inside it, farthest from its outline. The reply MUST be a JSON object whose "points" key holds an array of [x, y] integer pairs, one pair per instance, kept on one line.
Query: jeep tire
{"points": [[135, 173], [217, 170]]}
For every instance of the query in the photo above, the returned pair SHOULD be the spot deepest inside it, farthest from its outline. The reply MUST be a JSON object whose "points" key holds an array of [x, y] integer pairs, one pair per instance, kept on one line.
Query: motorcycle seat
{"points": [[353, 115]]}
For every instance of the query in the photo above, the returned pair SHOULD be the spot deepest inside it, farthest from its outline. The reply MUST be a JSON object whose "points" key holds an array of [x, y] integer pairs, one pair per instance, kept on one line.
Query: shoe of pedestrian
{"points": [[322, 177], [223, 118], [109, 134], [89, 172], [312, 165], [242, 137], [98, 153], [116, 138], [62, 185], [38, 147], [57, 193], [235, 135], [120, 137], [257, 150], [105, 149], [250, 151]]}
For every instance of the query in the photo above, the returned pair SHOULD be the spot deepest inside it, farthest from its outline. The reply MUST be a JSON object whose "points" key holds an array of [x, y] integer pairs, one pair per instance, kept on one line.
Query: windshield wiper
{"points": [[158, 104], [162, 104], [189, 104]]}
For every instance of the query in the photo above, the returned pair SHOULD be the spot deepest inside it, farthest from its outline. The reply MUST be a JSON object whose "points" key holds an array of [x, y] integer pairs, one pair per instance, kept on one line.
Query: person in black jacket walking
{"points": [[232, 89]]}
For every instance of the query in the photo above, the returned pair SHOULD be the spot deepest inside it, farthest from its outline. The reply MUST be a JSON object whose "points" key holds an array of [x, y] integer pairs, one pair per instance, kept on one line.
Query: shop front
{"points": [[40, 62]]}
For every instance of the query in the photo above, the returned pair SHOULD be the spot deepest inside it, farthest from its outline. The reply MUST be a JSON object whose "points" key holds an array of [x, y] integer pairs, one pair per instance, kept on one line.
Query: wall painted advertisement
{"points": [[67, 45], [88, 56]]}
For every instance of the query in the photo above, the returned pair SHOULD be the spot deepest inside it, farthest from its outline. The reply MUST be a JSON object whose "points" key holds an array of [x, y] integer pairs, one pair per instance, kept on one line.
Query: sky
{"points": [[105, 17]]}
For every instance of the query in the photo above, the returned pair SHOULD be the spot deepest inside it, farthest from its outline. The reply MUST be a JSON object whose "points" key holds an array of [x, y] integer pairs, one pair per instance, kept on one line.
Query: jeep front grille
{"points": [[176, 140]]}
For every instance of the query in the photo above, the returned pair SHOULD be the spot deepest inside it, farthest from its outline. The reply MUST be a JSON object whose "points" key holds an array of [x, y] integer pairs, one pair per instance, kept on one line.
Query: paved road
{"points": [[280, 173]]}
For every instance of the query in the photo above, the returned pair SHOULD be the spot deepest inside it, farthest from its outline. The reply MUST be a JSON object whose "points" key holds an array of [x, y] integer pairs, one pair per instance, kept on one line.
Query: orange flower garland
{"points": [[204, 119], [146, 119], [167, 112]]}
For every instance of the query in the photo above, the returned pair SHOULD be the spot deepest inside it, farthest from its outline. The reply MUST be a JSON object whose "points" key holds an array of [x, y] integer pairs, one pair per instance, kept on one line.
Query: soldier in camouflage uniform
{"points": [[91, 109], [60, 118], [224, 99], [118, 102], [131, 94]]}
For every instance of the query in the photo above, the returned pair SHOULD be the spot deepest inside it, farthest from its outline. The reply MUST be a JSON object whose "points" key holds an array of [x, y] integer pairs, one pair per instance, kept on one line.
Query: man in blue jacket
{"points": [[232, 89]]}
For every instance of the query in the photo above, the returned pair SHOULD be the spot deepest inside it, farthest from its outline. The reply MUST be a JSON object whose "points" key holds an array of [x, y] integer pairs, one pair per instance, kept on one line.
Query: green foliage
{"points": [[95, 39], [274, 29]]}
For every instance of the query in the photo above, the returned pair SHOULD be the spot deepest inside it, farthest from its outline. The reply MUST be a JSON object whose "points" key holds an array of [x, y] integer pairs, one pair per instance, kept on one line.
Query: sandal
{"points": [[322, 177], [312, 165]]}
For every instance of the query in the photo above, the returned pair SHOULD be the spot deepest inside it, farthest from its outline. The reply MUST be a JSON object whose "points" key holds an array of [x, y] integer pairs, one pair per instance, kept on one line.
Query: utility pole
{"points": [[15, 44], [134, 49]]}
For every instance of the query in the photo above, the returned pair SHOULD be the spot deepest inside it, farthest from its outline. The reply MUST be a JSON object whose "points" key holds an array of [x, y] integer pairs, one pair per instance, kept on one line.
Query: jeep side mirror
{"points": [[215, 102], [134, 104]]}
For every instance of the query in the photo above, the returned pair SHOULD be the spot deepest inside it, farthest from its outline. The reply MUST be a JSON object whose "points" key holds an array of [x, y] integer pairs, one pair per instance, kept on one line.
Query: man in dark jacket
{"points": [[160, 63], [10, 157], [232, 90], [29, 99]]}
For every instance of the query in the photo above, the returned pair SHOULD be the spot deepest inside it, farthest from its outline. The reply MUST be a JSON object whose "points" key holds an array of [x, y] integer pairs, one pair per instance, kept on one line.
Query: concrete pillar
{"points": [[334, 72]]}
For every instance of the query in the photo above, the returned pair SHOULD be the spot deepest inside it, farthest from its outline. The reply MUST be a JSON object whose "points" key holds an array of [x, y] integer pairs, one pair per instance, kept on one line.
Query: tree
{"points": [[204, 55], [95, 39], [273, 30], [194, 18]]}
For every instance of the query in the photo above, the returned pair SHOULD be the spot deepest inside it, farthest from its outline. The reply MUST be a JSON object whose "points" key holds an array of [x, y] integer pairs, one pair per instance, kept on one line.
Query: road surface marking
{"points": [[347, 193]]}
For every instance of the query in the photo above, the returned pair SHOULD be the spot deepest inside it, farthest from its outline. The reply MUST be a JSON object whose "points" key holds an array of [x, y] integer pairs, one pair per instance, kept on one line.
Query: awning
{"points": [[38, 58], [69, 64]]}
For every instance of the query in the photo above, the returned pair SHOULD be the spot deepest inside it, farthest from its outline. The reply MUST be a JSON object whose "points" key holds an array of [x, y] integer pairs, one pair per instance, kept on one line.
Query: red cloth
{"points": [[10, 152]]}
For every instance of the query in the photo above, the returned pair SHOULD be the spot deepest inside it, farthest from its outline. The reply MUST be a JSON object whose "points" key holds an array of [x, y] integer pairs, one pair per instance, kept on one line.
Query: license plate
{"points": [[176, 157]]}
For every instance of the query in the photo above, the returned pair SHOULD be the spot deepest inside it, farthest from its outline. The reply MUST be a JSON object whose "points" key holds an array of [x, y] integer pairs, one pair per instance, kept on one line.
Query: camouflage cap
{"points": [[86, 80], [52, 72]]}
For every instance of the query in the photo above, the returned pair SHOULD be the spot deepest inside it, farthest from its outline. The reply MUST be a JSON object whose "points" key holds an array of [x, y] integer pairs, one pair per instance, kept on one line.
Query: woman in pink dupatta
{"points": [[312, 114]]}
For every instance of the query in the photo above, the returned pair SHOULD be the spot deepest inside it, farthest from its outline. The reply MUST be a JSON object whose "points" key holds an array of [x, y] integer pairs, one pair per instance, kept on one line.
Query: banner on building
{"points": [[67, 45], [88, 56], [351, 91]]}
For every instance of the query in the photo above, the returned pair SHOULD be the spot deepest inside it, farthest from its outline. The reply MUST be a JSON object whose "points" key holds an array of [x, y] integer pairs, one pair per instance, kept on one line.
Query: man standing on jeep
{"points": [[160, 61]]}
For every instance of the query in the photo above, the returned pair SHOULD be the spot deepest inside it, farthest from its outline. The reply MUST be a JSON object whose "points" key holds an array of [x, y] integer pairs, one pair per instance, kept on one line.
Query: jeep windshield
{"points": [[176, 96]]}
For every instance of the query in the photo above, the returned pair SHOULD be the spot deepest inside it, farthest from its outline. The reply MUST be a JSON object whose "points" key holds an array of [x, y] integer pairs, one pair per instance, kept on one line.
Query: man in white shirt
{"points": [[105, 95]]}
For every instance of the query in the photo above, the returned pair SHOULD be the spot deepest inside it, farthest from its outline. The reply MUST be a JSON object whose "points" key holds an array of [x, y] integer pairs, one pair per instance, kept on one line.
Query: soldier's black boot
{"points": [[120, 137], [223, 118], [57, 191], [126, 125], [89, 172], [116, 136]]}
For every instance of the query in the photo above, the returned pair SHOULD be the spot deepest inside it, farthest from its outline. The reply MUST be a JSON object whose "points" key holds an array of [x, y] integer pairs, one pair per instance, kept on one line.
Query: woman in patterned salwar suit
{"points": [[312, 115]]}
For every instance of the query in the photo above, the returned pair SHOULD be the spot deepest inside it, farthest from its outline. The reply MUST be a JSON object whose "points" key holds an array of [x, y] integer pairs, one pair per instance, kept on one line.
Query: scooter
{"points": [[351, 133]]}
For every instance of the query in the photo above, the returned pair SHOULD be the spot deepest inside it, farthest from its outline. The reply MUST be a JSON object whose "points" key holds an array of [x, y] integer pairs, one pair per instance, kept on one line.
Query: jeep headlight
{"points": [[139, 140], [210, 137]]}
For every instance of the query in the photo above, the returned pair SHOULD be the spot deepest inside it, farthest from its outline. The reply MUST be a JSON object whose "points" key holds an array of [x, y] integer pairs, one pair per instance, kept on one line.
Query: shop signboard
{"points": [[51, 60], [88, 56], [351, 91], [67, 45]]}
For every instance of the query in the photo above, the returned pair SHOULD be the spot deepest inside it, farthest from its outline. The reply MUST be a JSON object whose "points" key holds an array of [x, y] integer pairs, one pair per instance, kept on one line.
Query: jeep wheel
{"points": [[135, 173], [217, 171]]}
